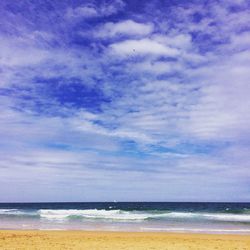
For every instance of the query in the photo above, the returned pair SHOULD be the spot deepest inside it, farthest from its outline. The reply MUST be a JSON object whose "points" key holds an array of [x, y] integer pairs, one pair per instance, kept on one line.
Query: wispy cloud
{"points": [[91, 10], [97, 96]]}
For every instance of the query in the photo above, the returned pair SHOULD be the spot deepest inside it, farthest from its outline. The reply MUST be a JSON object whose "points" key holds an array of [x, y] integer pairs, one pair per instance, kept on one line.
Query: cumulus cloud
{"points": [[127, 27]]}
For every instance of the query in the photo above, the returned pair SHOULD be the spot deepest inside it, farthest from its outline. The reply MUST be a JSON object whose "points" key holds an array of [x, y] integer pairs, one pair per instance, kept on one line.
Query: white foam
{"points": [[209, 216], [173, 215], [228, 217], [4, 211], [91, 214], [10, 212], [120, 215], [61, 214]]}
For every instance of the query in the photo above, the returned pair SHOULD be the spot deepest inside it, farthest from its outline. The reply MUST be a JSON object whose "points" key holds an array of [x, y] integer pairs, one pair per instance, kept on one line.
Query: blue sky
{"points": [[125, 100]]}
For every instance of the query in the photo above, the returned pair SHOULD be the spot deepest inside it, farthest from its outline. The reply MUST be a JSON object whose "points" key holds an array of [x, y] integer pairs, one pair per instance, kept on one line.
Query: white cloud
{"points": [[127, 27], [181, 41], [88, 126], [157, 67], [197, 98], [240, 41], [220, 112], [86, 11], [143, 47], [13, 54], [83, 11]]}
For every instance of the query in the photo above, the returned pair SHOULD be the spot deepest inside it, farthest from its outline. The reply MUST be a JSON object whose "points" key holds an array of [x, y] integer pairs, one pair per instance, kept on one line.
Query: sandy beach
{"points": [[119, 240]]}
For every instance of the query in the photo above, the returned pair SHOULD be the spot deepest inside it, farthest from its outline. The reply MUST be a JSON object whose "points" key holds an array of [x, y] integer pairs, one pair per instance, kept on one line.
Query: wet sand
{"points": [[19, 240]]}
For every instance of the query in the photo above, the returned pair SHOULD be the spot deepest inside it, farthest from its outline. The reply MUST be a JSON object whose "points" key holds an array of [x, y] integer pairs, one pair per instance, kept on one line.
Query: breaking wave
{"points": [[121, 215]]}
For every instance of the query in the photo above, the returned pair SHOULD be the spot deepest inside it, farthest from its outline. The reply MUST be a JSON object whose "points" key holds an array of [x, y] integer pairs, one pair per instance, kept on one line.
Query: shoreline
{"points": [[99, 240], [191, 232]]}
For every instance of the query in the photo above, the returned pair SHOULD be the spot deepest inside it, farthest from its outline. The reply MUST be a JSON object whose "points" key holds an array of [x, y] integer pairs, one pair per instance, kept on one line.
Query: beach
{"points": [[23, 240], [125, 226]]}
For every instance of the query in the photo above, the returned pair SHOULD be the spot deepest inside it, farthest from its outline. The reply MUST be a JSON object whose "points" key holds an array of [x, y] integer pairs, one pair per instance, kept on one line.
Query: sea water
{"points": [[203, 217]]}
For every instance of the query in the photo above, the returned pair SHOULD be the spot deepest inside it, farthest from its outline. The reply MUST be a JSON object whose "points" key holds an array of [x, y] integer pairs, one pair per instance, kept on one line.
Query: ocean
{"points": [[224, 218]]}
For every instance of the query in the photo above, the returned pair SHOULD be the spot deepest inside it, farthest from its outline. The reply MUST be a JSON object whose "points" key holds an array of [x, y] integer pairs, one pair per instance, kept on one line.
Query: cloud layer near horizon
{"points": [[125, 101]]}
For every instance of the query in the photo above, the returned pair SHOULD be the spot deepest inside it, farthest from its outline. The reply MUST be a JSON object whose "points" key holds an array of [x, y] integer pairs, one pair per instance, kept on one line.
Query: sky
{"points": [[124, 100]]}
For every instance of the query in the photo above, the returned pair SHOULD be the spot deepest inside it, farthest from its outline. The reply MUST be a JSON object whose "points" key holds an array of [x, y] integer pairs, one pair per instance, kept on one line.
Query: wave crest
{"points": [[121, 215], [91, 214]]}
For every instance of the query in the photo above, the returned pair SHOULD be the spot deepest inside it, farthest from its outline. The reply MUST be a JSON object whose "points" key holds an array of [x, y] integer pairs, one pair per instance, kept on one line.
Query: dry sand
{"points": [[119, 240]]}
